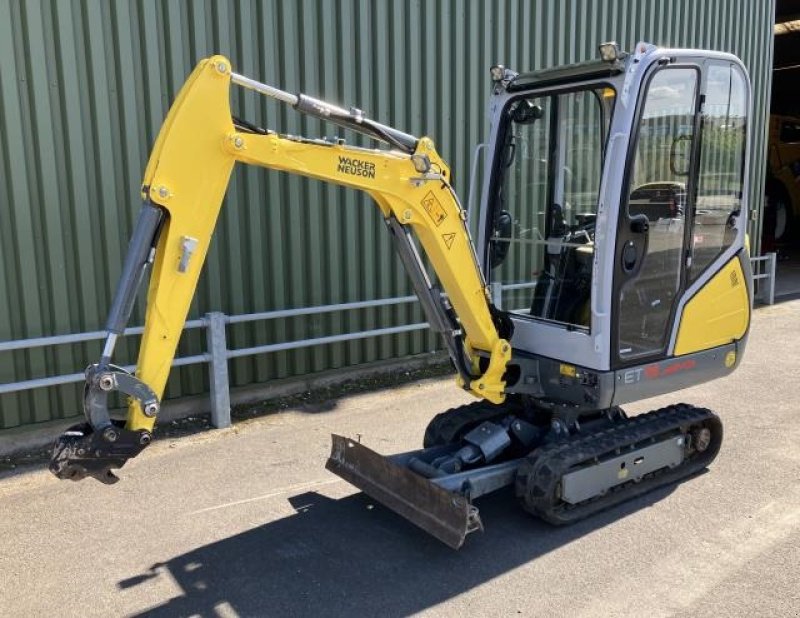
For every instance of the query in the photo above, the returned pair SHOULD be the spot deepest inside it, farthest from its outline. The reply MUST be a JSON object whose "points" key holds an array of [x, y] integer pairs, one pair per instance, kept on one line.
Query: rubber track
{"points": [[451, 425], [538, 478]]}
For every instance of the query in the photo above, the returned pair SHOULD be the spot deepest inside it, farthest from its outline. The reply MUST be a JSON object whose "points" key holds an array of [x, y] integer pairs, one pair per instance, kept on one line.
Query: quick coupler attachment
{"points": [[101, 444], [81, 451]]}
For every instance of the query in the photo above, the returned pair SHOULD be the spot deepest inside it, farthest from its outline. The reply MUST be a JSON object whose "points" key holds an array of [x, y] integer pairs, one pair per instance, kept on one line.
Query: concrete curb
{"points": [[39, 436]]}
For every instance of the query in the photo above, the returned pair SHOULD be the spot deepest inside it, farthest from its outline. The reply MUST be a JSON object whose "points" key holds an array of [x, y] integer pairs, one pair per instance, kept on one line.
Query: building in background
{"points": [[85, 85]]}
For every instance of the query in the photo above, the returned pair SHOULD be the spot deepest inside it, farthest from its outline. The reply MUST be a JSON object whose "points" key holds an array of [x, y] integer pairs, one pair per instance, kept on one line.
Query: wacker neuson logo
{"points": [[356, 167]]}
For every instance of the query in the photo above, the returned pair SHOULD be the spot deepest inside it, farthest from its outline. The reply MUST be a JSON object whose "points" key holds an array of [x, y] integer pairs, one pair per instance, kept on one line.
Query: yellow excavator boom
{"points": [[184, 186], [188, 174]]}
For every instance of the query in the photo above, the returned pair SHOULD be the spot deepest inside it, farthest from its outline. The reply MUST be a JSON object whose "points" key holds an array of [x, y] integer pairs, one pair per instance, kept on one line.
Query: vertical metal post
{"points": [[218, 370], [496, 291], [473, 178], [773, 260]]}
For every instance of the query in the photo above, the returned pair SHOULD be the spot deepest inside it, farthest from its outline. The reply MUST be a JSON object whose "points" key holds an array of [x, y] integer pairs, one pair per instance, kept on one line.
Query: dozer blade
{"points": [[447, 516]]}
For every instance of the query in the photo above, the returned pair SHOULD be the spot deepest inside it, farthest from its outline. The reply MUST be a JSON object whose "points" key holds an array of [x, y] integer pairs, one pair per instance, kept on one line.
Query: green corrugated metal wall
{"points": [[84, 87]]}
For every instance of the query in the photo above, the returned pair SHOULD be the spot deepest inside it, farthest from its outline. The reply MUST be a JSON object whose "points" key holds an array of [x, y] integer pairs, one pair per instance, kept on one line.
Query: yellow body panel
{"points": [[188, 174], [718, 314]]}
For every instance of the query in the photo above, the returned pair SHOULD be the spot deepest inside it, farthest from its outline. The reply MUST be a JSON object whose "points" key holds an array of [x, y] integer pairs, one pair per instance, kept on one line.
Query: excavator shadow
{"points": [[351, 556]]}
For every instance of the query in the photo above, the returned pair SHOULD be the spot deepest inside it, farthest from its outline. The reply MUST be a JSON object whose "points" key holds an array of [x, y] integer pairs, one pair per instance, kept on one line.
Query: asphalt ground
{"points": [[247, 522]]}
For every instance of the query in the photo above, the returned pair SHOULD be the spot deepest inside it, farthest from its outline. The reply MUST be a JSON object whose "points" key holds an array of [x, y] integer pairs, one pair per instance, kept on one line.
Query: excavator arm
{"points": [[183, 189]]}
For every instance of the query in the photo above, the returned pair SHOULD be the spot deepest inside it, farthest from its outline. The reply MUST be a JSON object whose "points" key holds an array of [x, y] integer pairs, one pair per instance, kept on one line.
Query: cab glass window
{"points": [[545, 203], [721, 175]]}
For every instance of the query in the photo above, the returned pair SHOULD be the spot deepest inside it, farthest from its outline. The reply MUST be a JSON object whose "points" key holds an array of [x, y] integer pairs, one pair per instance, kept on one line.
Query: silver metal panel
{"points": [[672, 374], [482, 481], [596, 479]]}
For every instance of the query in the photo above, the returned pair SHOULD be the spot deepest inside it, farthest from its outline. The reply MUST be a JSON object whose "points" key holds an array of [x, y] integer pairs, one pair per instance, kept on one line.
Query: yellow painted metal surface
{"points": [[188, 174], [718, 314]]}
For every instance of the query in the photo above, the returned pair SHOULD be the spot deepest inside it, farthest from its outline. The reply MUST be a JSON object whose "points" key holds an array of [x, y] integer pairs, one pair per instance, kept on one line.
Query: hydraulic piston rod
{"points": [[350, 119], [265, 89]]}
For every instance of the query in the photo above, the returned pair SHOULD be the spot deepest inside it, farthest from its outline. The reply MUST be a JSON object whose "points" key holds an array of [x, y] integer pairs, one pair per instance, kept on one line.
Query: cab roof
{"points": [[581, 71]]}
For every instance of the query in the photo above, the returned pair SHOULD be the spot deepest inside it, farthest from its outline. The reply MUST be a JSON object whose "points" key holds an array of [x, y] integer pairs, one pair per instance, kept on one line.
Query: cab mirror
{"points": [[680, 155], [526, 112]]}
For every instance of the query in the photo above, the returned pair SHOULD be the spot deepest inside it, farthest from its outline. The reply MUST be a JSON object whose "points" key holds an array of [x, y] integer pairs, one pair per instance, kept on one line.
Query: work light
{"points": [[609, 52], [497, 72]]}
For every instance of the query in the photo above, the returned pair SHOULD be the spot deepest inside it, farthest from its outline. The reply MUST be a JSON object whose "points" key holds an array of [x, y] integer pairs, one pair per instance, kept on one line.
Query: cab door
{"points": [[656, 199]]}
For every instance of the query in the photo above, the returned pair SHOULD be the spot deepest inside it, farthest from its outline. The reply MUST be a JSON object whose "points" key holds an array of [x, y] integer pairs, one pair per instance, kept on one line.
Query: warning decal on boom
{"points": [[448, 239], [434, 208]]}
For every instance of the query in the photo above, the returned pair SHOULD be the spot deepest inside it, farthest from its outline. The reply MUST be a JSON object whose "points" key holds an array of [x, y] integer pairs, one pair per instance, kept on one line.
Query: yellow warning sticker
{"points": [[730, 359], [448, 239], [434, 208], [568, 370]]}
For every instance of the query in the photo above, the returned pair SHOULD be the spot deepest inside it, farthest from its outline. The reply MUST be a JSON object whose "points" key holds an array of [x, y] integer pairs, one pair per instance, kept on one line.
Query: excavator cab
{"points": [[624, 188], [610, 266]]}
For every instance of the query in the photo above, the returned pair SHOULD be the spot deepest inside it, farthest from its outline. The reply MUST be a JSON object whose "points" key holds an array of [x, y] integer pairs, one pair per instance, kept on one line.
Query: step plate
{"points": [[447, 516], [632, 466]]}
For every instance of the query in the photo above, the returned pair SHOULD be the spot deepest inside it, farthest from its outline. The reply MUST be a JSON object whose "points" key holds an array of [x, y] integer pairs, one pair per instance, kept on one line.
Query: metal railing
{"points": [[218, 354], [764, 270]]}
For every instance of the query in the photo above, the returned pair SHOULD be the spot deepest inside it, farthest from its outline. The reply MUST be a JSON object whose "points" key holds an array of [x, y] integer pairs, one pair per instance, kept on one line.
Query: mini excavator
{"points": [[612, 214]]}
